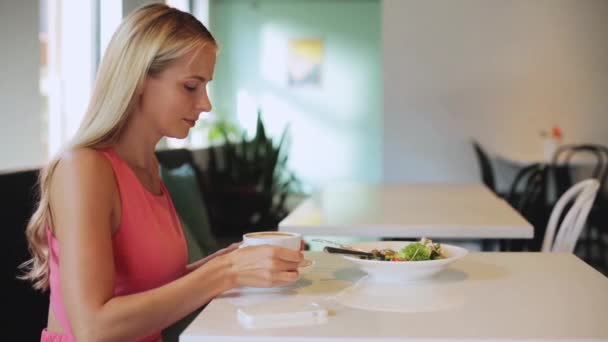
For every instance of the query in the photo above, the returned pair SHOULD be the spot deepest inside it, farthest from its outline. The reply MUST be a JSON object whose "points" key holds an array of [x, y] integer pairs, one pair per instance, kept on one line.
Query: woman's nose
{"points": [[204, 104]]}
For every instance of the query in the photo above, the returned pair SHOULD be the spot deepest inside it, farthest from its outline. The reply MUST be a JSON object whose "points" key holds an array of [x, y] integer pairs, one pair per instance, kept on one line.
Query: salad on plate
{"points": [[423, 250]]}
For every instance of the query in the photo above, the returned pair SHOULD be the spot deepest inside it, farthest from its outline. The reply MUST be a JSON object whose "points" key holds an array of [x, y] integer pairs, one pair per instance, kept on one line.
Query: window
{"points": [[198, 137], [73, 38], [44, 75]]}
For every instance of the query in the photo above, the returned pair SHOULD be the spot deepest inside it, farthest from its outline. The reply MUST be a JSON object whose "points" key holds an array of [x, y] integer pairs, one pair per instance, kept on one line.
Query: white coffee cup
{"points": [[283, 239]]}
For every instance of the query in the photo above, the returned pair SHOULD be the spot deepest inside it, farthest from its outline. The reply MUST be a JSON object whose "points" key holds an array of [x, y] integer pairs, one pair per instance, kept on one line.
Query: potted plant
{"points": [[248, 180]]}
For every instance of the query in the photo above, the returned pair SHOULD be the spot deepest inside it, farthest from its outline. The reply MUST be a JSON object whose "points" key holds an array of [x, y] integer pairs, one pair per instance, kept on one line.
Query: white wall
{"points": [[20, 125], [492, 69]]}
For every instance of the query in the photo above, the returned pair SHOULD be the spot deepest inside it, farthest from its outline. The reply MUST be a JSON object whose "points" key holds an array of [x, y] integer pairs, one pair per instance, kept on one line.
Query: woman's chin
{"points": [[179, 135]]}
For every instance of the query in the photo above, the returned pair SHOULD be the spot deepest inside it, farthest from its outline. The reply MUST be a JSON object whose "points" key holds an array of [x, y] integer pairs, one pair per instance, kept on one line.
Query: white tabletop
{"points": [[482, 297], [408, 211]]}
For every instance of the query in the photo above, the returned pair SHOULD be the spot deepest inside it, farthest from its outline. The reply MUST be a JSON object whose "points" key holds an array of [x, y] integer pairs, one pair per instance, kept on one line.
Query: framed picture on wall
{"points": [[305, 57]]}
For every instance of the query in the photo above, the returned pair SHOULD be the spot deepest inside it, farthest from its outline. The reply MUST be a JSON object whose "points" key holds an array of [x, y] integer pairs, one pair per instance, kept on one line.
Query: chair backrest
{"points": [[562, 164], [485, 167], [174, 158], [28, 309], [528, 195], [532, 181], [583, 194]]}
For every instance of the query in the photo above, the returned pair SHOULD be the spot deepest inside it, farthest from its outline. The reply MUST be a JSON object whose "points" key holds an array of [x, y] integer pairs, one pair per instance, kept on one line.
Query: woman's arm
{"points": [[83, 198]]}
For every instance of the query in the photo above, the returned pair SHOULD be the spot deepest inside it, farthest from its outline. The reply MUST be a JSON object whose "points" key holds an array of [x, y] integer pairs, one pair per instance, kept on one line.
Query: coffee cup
{"points": [[282, 239]]}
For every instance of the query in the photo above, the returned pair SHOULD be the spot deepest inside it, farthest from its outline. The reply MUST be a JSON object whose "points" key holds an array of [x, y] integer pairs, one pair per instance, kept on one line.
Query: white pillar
{"points": [[110, 16], [77, 61], [200, 9]]}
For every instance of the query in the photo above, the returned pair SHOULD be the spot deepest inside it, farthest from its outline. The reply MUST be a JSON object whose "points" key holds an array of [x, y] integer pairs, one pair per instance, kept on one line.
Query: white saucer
{"points": [[306, 268]]}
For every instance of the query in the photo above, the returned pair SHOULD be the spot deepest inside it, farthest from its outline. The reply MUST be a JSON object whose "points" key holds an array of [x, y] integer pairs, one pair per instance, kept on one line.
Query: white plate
{"points": [[403, 271]]}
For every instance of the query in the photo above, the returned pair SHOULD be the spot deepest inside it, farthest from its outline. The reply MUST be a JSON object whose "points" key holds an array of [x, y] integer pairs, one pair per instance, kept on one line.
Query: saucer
{"points": [[306, 267], [306, 263]]}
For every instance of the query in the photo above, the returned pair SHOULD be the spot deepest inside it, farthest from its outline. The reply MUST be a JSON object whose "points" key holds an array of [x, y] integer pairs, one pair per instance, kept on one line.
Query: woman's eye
{"points": [[190, 87]]}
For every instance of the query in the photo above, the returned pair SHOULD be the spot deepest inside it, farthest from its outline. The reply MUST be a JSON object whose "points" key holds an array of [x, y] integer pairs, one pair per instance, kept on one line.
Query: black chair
{"points": [[26, 310], [593, 247], [487, 177], [485, 167], [528, 195]]}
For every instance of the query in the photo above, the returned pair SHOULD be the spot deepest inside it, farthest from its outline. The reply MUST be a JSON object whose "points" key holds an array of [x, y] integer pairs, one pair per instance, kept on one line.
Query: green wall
{"points": [[336, 128]]}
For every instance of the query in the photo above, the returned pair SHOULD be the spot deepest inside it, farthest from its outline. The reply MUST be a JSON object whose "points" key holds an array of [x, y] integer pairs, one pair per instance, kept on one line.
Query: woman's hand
{"points": [[191, 267], [264, 266], [203, 261]]}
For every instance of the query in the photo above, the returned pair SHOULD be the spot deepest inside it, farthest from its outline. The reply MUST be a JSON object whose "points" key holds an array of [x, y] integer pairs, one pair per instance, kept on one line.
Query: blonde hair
{"points": [[145, 43]]}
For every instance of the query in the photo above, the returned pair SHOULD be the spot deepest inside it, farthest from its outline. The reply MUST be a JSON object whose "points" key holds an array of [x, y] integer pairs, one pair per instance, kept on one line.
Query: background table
{"points": [[408, 211]]}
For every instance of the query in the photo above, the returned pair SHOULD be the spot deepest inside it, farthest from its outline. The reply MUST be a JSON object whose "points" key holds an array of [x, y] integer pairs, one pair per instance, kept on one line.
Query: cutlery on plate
{"points": [[334, 250], [337, 244]]}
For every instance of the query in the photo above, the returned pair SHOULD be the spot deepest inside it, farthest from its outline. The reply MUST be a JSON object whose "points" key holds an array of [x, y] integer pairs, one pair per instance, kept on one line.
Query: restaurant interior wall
{"points": [[20, 127], [336, 124], [498, 71]]}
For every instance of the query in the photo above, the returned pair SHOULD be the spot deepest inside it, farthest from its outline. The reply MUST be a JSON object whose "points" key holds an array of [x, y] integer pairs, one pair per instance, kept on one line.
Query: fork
{"points": [[338, 244], [334, 250]]}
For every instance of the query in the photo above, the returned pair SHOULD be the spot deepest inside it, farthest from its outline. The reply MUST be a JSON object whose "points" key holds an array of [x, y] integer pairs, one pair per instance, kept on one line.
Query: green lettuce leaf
{"points": [[416, 252]]}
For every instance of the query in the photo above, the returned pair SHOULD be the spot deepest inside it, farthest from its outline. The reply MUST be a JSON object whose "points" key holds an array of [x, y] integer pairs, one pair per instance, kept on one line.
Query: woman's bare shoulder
{"points": [[86, 167], [84, 156], [83, 182], [85, 159]]}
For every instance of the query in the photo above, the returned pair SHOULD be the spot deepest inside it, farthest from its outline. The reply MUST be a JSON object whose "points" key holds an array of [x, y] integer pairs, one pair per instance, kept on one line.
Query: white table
{"points": [[485, 297], [408, 211]]}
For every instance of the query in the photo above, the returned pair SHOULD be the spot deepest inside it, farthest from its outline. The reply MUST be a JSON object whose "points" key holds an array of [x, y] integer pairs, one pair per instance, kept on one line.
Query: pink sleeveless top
{"points": [[149, 246]]}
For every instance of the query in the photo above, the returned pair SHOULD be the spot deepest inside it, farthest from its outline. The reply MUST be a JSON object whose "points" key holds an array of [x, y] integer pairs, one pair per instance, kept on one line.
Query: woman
{"points": [[105, 237]]}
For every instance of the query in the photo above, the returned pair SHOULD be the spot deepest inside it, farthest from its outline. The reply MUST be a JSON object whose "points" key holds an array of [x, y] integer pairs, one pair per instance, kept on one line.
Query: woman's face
{"points": [[172, 100]]}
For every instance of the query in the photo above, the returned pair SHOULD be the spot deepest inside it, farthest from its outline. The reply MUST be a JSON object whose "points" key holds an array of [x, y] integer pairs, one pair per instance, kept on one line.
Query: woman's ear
{"points": [[137, 96]]}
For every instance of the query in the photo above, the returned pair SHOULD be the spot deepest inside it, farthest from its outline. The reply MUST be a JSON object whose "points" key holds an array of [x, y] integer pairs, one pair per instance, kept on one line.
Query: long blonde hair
{"points": [[145, 43]]}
